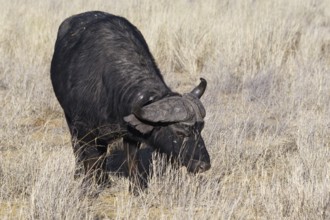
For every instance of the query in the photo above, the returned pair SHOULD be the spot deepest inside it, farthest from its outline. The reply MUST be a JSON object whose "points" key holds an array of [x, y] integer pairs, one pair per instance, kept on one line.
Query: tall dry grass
{"points": [[267, 124]]}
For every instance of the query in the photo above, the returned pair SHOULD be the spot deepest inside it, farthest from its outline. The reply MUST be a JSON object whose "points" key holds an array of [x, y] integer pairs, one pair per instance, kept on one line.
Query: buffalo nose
{"points": [[204, 167]]}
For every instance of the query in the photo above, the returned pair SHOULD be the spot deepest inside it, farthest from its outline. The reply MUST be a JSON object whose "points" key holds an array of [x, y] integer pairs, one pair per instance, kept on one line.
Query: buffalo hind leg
{"points": [[138, 179]]}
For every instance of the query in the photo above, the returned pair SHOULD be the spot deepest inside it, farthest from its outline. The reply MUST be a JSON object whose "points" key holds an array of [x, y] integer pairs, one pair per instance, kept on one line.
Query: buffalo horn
{"points": [[170, 109], [200, 89]]}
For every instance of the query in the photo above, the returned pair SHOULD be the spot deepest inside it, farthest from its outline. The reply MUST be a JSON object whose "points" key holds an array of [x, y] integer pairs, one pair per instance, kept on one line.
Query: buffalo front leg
{"points": [[138, 180], [89, 152], [90, 161]]}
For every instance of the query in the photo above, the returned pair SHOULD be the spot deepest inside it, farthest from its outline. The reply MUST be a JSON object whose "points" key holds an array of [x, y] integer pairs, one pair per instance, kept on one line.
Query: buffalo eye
{"points": [[182, 133], [183, 130]]}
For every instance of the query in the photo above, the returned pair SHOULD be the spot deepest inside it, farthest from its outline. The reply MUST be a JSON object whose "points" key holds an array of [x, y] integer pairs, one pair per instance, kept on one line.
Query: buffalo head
{"points": [[173, 126]]}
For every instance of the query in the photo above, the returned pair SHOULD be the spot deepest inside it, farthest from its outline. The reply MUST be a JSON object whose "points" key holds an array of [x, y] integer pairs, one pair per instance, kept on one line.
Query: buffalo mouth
{"points": [[197, 166]]}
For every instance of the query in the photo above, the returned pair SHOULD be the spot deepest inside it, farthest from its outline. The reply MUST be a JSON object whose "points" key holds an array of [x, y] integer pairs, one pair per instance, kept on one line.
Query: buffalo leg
{"points": [[90, 160], [90, 154], [138, 180]]}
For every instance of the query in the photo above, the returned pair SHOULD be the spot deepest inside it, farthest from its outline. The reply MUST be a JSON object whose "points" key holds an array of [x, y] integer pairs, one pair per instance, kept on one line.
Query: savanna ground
{"points": [[268, 111]]}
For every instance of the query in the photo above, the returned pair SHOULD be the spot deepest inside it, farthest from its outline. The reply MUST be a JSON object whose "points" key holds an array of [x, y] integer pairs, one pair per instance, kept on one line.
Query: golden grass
{"points": [[268, 111]]}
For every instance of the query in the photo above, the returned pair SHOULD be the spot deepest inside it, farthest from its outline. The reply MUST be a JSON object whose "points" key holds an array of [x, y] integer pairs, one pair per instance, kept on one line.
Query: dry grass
{"points": [[267, 124]]}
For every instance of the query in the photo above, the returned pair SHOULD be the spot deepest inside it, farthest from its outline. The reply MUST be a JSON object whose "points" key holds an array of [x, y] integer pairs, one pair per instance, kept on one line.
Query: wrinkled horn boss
{"points": [[170, 109]]}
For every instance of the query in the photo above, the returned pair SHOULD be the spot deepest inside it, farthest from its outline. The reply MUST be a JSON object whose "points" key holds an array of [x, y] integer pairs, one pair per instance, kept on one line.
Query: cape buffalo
{"points": [[109, 86]]}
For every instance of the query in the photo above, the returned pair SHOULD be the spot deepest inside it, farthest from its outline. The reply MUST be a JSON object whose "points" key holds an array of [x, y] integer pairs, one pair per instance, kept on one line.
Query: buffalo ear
{"points": [[200, 89], [170, 109], [138, 125]]}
